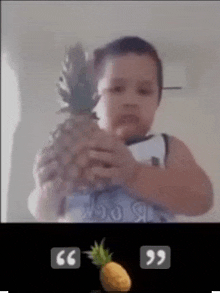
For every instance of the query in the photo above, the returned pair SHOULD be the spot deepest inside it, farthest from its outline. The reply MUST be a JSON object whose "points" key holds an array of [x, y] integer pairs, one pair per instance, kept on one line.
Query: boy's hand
{"points": [[118, 162]]}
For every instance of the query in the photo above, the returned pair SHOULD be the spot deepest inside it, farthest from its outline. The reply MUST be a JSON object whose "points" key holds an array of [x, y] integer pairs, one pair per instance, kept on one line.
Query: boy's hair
{"points": [[123, 46]]}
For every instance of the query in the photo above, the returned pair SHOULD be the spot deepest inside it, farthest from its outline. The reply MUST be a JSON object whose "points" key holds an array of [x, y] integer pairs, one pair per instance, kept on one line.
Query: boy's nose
{"points": [[130, 96], [130, 105], [130, 100]]}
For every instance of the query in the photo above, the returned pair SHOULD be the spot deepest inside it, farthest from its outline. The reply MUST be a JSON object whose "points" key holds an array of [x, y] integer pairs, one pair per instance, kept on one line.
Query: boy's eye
{"points": [[119, 89], [116, 89], [144, 92]]}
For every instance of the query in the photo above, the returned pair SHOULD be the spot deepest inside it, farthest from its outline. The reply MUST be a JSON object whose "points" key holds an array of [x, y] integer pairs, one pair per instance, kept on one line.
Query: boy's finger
{"points": [[82, 160], [103, 143], [105, 157], [105, 172]]}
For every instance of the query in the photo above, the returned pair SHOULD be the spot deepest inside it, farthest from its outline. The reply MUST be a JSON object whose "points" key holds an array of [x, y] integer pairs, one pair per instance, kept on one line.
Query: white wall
{"points": [[34, 35], [10, 117]]}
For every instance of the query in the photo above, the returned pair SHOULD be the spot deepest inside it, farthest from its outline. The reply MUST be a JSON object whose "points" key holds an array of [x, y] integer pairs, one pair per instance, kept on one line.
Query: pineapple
{"points": [[112, 275], [76, 89]]}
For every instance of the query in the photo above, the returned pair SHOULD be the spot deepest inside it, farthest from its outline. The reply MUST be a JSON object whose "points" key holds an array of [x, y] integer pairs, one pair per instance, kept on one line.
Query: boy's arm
{"points": [[183, 187]]}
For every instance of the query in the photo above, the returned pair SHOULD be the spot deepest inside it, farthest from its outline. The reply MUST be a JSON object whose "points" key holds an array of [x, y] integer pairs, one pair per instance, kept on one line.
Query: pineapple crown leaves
{"points": [[99, 255], [75, 84]]}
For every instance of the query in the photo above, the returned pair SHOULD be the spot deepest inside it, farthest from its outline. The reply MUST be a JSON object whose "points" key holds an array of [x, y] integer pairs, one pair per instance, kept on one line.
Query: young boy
{"points": [[156, 174]]}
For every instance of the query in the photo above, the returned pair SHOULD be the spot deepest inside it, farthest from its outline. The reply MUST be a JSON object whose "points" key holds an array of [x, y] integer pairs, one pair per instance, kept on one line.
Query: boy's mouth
{"points": [[128, 119]]}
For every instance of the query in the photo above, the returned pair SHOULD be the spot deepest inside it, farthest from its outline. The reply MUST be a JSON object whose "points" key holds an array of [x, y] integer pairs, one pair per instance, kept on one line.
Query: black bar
{"points": [[25, 256]]}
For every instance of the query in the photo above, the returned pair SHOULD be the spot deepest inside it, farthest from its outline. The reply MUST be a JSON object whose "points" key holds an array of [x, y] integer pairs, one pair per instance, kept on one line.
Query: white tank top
{"points": [[116, 204]]}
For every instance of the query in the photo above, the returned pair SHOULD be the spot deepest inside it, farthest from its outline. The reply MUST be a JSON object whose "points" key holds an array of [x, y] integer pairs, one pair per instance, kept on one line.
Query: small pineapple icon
{"points": [[77, 98], [112, 275]]}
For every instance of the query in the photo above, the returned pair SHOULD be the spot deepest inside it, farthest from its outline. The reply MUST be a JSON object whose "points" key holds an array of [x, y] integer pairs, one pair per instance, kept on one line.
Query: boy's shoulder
{"points": [[179, 153]]}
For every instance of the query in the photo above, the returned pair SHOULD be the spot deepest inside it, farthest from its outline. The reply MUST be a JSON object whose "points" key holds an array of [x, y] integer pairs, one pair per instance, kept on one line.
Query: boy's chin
{"points": [[126, 132]]}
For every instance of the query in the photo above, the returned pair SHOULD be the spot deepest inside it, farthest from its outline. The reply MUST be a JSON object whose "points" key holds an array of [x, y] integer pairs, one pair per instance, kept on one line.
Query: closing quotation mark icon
{"points": [[155, 257], [151, 254]]}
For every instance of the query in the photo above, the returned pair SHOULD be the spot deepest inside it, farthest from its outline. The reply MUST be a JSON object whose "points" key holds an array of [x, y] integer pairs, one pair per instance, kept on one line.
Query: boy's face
{"points": [[128, 86]]}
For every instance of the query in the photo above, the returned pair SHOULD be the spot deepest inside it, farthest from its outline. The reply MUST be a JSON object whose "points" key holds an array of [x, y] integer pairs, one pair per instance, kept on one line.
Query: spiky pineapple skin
{"points": [[115, 278], [72, 163], [76, 89]]}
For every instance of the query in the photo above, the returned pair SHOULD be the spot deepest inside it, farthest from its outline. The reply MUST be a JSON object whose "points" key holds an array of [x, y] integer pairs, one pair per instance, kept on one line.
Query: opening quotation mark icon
{"points": [[155, 257], [65, 258], [69, 259]]}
